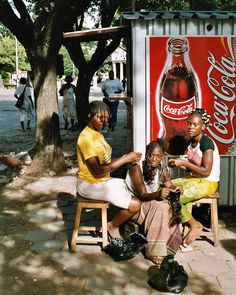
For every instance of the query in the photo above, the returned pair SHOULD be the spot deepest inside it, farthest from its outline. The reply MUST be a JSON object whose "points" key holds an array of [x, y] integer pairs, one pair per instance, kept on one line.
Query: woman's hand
{"points": [[178, 163], [178, 188], [165, 192], [133, 157]]}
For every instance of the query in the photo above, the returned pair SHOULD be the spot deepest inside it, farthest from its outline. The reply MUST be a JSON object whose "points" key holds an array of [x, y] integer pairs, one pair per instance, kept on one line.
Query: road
{"points": [[11, 137], [9, 114]]}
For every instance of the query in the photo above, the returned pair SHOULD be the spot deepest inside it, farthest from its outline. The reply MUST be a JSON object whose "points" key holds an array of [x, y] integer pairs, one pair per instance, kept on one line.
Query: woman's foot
{"points": [[156, 259], [113, 232], [194, 231]]}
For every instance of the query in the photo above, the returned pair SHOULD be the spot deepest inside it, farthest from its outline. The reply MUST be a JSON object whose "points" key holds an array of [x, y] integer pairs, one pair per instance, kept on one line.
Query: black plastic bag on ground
{"points": [[126, 248], [170, 277]]}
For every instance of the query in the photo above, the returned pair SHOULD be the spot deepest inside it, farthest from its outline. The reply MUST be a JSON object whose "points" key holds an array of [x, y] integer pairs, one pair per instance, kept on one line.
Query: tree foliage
{"points": [[105, 14], [8, 57]]}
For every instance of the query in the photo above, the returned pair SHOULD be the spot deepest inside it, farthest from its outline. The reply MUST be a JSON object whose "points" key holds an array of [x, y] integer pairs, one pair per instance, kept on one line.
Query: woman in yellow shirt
{"points": [[95, 165]]}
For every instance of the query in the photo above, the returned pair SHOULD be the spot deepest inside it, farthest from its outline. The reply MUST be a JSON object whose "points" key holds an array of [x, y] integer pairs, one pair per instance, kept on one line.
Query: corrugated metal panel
{"points": [[151, 15], [228, 181], [174, 24]]}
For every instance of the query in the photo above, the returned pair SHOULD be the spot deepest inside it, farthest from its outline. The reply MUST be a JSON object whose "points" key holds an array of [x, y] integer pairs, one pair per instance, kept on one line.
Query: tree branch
{"points": [[21, 8]]}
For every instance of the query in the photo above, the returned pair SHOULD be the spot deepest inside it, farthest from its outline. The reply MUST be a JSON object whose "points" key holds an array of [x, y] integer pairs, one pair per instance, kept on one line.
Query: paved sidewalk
{"points": [[212, 271]]}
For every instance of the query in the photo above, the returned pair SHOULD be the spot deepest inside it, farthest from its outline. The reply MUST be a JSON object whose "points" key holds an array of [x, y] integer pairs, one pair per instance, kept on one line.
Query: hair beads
{"points": [[203, 114]]}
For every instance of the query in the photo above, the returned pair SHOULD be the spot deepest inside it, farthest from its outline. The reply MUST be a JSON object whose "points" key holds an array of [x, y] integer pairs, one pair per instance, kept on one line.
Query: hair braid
{"points": [[203, 114], [97, 107], [148, 172]]}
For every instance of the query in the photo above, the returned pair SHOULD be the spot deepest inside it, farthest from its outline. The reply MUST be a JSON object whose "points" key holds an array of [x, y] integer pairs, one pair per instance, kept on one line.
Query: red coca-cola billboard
{"points": [[190, 72]]}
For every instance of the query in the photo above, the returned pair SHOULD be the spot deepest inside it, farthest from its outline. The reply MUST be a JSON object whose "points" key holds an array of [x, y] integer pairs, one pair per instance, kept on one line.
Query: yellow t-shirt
{"points": [[92, 143]]}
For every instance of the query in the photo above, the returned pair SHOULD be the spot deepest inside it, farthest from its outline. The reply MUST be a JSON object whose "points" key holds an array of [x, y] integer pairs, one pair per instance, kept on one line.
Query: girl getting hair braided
{"points": [[159, 215], [150, 172]]}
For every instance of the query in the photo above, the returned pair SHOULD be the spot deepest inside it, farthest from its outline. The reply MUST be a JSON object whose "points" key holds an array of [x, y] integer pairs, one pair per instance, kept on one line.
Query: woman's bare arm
{"points": [[140, 187], [99, 170], [204, 170]]}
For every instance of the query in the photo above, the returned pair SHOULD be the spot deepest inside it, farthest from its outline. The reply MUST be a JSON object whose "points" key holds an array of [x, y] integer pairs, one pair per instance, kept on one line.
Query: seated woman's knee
{"points": [[135, 205]]}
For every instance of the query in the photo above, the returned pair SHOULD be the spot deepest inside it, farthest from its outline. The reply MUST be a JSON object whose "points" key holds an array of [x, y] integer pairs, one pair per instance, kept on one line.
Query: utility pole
{"points": [[17, 61]]}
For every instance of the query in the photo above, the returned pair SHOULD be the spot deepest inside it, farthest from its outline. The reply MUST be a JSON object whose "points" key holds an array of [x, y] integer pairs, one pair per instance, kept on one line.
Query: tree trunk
{"points": [[82, 99], [48, 146]]}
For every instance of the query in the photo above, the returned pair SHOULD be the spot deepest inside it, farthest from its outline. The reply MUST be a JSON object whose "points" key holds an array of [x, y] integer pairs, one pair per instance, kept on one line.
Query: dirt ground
{"points": [[21, 270]]}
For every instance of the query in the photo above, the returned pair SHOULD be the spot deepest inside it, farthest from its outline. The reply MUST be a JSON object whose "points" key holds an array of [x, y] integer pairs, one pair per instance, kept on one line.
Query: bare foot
{"points": [[113, 231], [193, 233], [156, 259]]}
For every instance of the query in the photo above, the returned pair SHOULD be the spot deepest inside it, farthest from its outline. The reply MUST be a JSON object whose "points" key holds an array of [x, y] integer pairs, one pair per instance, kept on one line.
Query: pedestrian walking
{"points": [[68, 106], [109, 88], [26, 110]]}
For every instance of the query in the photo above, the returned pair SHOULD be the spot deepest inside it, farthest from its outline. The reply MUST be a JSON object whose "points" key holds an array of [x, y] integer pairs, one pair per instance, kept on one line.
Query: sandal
{"points": [[185, 248]]}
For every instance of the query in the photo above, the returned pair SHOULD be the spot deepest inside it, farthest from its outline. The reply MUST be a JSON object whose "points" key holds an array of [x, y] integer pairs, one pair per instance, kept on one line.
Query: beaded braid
{"points": [[199, 112]]}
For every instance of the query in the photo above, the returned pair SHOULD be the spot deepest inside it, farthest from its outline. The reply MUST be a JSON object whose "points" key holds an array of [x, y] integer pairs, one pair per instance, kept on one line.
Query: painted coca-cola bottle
{"points": [[178, 91]]}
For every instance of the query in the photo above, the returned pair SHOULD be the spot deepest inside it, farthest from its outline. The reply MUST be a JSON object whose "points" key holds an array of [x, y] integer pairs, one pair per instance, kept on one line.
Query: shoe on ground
{"points": [[129, 228], [185, 248]]}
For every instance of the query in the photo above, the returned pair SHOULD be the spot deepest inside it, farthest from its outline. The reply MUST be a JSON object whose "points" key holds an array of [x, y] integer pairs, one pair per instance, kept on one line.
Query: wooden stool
{"points": [[213, 201], [83, 203]]}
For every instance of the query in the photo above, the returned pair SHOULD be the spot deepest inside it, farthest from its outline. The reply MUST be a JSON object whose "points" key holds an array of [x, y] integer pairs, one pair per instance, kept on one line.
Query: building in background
{"points": [[118, 59]]}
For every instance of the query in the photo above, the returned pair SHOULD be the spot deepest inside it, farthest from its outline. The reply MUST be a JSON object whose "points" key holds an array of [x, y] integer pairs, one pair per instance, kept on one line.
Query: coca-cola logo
{"points": [[224, 96], [181, 111], [177, 110]]}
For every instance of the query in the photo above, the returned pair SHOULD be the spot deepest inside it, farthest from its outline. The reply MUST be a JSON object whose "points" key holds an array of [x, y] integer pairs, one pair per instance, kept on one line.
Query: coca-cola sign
{"points": [[205, 78], [177, 110], [221, 80]]}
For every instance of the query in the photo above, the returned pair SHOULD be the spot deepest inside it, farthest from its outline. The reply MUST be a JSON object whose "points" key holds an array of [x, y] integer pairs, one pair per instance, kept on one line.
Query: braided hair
{"points": [[199, 112], [149, 175], [97, 107], [148, 172]]}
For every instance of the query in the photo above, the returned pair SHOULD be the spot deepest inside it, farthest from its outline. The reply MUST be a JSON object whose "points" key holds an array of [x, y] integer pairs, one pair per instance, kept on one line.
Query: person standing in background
{"points": [[27, 108], [124, 82], [69, 108], [109, 88]]}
